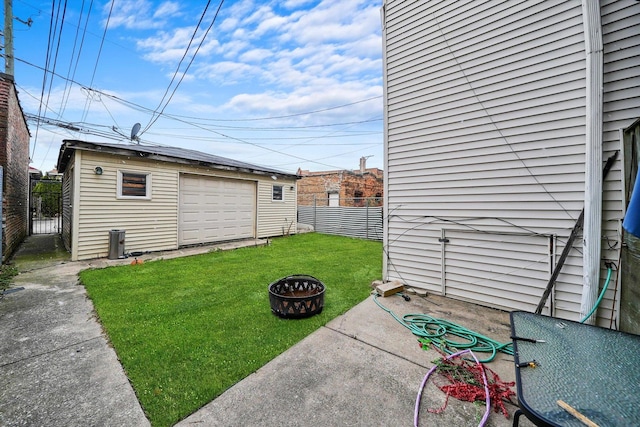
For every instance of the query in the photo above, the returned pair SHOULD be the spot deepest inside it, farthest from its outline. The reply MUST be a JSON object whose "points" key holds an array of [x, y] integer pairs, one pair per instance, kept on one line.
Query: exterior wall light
{"points": [[98, 170]]}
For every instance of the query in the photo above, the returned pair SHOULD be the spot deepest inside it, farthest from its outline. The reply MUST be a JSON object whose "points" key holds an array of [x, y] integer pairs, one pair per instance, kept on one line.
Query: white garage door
{"points": [[215, 209]]}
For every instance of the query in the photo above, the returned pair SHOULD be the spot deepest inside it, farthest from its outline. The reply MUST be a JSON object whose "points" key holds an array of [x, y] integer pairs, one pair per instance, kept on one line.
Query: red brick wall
{"points": [[14, 159], [349, 185], [318, 186], [357, 187]]}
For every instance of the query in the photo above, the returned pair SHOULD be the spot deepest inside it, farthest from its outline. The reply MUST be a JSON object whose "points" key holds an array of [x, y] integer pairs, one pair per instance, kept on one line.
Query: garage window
{"points": [[134, 185], [277, 194]]}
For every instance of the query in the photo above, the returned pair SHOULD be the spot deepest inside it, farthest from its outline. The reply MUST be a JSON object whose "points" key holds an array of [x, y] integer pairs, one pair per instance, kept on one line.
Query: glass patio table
{"points": [[594, 370]]}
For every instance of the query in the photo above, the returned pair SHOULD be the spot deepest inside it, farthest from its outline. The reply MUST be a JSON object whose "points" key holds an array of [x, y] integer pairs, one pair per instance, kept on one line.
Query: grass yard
{"points": [[187, 329]]}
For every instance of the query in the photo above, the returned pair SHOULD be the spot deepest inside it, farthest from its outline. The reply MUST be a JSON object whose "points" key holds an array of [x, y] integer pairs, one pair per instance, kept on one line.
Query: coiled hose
{"points": [[416, 412], [448, 336]]}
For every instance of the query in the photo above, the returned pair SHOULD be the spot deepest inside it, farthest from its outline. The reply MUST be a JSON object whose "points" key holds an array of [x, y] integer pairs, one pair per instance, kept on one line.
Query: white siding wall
{"points": [[486, 131], [152, 225], [621, 42], [277, 218]]}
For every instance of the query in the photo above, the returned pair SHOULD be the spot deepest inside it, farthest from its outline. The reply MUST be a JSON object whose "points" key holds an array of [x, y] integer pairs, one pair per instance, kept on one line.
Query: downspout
{"points": [[593, 158], [385, 137]]}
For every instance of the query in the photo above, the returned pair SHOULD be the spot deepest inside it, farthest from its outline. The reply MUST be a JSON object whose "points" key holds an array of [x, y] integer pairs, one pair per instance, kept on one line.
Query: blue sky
{"points": [[284, 84]]}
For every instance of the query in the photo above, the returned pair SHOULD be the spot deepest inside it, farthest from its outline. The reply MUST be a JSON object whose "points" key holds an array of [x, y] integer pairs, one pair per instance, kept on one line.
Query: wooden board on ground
{"points": [[389, 288]]}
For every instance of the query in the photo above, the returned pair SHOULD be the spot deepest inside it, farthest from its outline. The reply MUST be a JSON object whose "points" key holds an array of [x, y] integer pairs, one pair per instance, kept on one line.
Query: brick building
{"points": [[14, 159], [363, 187]]}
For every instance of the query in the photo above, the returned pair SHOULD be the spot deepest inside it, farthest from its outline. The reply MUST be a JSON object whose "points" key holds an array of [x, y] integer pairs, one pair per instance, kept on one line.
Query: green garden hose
{"points": [[604, 289], [441, 333]]}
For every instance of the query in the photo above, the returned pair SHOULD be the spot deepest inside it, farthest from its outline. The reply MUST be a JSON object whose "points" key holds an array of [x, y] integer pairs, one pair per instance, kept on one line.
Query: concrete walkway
{"points": [[361, 369], [57, 368], [56, 365]]}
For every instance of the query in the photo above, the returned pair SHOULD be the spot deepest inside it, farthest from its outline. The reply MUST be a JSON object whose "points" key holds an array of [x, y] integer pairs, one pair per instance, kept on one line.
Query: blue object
{"points": [[631, 221]]}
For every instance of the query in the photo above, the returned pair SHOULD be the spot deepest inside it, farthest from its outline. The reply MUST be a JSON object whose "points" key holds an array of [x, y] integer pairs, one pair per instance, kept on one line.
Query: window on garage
{"points": [[277, 194], [135, 185]]}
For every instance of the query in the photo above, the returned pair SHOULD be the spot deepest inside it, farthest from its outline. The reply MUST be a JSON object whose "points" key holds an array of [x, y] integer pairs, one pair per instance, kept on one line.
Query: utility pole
{"points": [[8, 37]]}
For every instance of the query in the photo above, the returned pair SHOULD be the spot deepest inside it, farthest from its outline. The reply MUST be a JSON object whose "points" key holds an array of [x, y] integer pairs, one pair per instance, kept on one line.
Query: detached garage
{"points": [[167, 197]]}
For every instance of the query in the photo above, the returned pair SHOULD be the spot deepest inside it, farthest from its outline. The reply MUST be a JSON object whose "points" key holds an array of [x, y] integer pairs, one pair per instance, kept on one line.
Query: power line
{"points": [[95, 68], [66, 93], [195, 138], [288, 115], [188, 65], [175, 73], [179, 117], [44, 77], [243, 141], [55, 61], [310, 128]]}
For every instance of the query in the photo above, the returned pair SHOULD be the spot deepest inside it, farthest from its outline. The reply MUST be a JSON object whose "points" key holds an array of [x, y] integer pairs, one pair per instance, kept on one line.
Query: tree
{"points": [[47, 193]]}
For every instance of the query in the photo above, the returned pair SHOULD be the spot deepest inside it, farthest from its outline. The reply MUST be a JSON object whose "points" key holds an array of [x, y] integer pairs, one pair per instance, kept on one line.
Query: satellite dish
{"points": [[134, 131]]}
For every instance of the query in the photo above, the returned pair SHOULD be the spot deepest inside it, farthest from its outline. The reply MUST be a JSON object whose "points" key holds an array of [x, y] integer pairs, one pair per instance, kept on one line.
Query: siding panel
{"points": [[621, 43], [152, 225], [275, 217], [486, 130]]}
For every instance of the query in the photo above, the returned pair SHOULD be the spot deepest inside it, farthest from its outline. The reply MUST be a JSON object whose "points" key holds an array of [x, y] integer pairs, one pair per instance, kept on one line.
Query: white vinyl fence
{"points": [[361, 222]]}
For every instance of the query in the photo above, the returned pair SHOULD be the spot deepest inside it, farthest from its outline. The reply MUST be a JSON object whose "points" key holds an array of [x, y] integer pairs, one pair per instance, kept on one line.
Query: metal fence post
{"points": [[367, 221], [314, 213]]}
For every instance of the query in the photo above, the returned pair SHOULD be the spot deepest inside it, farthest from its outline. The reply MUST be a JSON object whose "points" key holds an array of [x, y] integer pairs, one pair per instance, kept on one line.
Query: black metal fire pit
{"points": [[296, 296]]}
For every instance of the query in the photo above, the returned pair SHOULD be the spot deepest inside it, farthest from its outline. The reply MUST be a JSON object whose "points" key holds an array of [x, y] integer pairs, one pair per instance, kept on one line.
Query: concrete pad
{"points": [[79, 385], [362, 369], [57, 367], [329, 379]]}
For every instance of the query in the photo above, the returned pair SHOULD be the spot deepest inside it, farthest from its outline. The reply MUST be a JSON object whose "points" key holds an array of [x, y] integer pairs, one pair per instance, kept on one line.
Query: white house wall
{"points": [[485, 122], [621, 42], [277, 218], [152, 225]]}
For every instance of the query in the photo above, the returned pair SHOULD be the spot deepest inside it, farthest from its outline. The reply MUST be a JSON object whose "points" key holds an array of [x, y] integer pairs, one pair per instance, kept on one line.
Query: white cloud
{"points": [[304, 99], [294, 4], [335, 39], [228, 24], [140, 14], [261, 59], [167, 9], [228, 73], [334, 21], [170, 47], [255, 55]]}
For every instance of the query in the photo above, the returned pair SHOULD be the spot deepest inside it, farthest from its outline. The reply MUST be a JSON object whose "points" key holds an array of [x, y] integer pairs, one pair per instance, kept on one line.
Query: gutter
{"points": [[593, 160], [385, 133]]}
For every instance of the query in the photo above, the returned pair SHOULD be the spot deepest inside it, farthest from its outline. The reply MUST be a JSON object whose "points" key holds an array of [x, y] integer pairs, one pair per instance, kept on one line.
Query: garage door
{"points": [[215, 209]]}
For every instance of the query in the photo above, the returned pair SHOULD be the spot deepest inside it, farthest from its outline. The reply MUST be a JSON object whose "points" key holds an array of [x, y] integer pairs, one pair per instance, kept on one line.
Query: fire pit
{"points": [[296, 296]]}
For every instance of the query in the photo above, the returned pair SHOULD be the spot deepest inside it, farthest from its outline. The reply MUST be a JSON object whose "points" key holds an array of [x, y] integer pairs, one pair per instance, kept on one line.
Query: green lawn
{"points": [[187, 329]]}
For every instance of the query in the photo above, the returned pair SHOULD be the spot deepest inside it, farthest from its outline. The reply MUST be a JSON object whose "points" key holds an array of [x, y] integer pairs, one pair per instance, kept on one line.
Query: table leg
{"points": [[516, 417]]}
